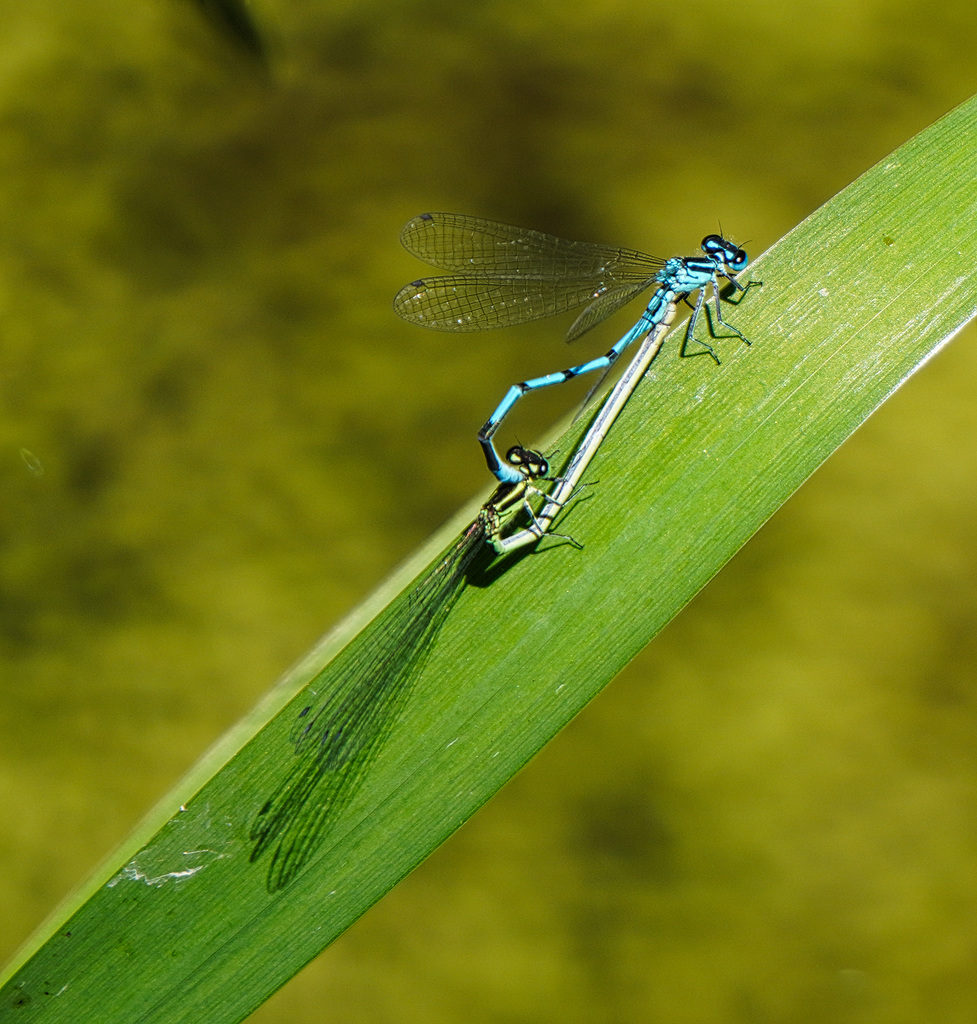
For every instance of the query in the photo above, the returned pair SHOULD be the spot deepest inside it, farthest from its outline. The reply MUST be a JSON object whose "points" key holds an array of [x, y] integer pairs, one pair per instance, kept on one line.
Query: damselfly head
{"points": [[532, 463], [719, 248]]}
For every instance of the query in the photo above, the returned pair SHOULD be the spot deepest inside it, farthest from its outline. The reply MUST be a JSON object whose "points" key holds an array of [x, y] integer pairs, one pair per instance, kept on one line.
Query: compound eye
{"points": [[714, 245], [738, 260], [515, 456]]}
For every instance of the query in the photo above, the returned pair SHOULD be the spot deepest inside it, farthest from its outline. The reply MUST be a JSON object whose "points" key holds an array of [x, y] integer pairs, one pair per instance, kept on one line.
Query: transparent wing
{"points": [[470, 245], [604, 306], [507, 275], [339, 735], [478, 303], [504, 275]]}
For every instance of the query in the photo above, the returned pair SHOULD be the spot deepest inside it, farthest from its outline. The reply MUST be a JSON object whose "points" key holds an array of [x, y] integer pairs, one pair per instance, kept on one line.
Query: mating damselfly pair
{"points": [[498, 276]]}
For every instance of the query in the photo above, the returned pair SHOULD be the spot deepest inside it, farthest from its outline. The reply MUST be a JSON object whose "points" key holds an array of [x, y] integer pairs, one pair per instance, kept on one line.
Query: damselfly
{"points": [[503, 275]]}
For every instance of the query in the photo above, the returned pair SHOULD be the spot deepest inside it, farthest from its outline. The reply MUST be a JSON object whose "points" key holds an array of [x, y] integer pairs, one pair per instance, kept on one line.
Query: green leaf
{"points": [[181, 926]]}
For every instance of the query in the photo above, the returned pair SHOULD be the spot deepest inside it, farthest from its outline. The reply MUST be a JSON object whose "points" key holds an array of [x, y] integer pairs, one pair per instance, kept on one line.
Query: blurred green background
{"points": [[215, 437]]}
